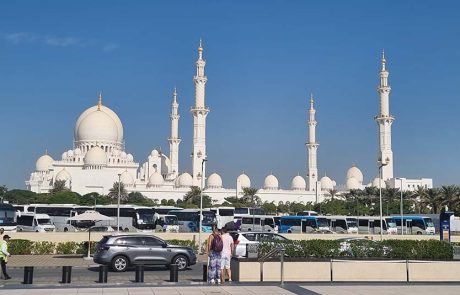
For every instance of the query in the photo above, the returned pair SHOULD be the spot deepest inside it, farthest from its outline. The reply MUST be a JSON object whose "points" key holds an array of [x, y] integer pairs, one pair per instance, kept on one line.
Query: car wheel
{"points": [[120, 263], [181, 261]]}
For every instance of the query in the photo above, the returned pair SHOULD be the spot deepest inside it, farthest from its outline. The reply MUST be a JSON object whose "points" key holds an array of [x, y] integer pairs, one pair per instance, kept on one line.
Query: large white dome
{"points": [[353, 183], [376, 181], [97, 126], [326, 183], [244, 180], [63, 175], [214, 181], [155, 180], [298, 183], [44, 163], [115, 120], [355, 173], [271, 182], [96, 156]]}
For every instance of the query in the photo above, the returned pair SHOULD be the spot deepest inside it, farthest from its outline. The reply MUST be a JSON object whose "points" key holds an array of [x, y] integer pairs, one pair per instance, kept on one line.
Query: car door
{"points": [[134, 248], [157, 252]]}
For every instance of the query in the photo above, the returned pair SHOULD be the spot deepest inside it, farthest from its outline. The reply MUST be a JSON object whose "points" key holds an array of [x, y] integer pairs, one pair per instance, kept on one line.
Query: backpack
{"points": [[217, 245]]}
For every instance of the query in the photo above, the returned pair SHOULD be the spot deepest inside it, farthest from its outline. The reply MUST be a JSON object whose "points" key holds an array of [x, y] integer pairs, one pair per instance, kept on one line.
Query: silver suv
{"points": [[123, 251]]}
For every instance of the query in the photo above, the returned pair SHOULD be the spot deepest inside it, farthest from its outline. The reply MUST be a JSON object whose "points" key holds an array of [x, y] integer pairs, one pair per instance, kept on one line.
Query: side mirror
{"points": [[164, 245]]}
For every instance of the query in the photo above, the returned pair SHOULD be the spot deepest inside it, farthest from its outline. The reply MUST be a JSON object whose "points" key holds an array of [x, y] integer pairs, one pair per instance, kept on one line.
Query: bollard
{"points": [[103, 270], [28, 275], [66, 274], [205, 272], [173, 273], [139, 273]]}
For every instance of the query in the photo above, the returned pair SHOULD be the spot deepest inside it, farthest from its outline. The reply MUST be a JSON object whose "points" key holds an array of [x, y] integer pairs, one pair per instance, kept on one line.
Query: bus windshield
{"points": [[146, 216], [322, 222], [7, 216], [428, 222], [44, 221], [352, 223], [171, 220], [209, 218]]}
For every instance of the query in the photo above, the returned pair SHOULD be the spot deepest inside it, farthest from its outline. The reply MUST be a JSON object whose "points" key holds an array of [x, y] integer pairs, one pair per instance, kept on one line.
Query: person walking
{"points": [[215, 247], [4, 254], [226, 255]]}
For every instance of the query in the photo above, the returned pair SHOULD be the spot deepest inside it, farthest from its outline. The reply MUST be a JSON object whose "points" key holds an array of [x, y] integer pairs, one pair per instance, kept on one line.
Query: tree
{"points": [[193, 198], [137, 198], [94, 198], [450, 196], [64, 197], [269, 208], [432, 199], [18, 196], [59, 186], [171, 202], [3, 191], [251, 197], [113, 192], [332, 193]]}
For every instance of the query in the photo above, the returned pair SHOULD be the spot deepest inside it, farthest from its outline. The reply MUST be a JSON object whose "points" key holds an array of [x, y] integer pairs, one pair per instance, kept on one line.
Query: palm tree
{"points": [[450, 196], [118, 186], [419, 195], [59, 186], [432, 198], [194, 193], [332, 193], [250, 196]]}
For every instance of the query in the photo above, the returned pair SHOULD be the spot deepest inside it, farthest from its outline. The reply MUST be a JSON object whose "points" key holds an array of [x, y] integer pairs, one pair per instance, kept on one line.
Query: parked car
{"points": [[123, 251], [101, 228], [241, 239]]}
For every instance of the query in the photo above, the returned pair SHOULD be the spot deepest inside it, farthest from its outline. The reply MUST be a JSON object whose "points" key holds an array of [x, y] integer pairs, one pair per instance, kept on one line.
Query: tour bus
{"points": [[303, 224], [59, 213], [224, 216], [167, 223], [8, 217], [415, 224], [248, 211], [307, 213], [371, 225], [259, 223], [189, 220], [132, 217], [34, 222], [343, 224]]}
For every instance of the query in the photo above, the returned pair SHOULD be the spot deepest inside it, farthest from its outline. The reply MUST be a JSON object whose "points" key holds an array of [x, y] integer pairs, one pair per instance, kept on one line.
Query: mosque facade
{"points": [[99, 158]]}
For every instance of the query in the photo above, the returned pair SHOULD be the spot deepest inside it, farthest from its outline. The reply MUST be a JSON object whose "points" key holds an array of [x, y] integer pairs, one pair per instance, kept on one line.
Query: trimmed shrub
{"points": [[44, 247], [187, 243], [20, 247], [67, 248]]}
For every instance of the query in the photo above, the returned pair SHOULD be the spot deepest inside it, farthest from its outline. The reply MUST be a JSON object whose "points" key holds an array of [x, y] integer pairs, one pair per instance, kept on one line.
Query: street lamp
{"points": [[402, 208], [203, 165], [118, 203], [381, 164]]}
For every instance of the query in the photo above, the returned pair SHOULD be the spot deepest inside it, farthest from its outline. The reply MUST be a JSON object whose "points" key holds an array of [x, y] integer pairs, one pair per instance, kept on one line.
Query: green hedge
{"points": [[361, 249]]}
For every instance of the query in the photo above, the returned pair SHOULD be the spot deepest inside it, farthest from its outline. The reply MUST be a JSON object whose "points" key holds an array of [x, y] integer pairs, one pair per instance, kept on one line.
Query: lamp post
{"points": [[118, 203], [201, 203], [402, 208], [381, 164]]}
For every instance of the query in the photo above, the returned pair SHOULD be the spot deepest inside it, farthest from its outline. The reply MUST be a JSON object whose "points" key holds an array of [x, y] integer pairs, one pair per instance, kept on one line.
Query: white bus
{"points": [[343, 224], [132, 217], [224, 215], [7, 217], [167, 223], [371, 225], [189, 220], [59, 213], [259, 223], [249, 211], [34, 222], [163, 210]]}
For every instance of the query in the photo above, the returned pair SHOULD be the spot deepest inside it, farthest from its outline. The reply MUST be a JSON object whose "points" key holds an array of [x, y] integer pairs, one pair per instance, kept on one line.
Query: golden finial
{"points": [[99, 103], [311, 98], [383, 60], [200, 48]]}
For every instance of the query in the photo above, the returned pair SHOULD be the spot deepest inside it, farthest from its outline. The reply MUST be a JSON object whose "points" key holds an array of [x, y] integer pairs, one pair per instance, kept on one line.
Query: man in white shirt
{"points": [[226, 255]]}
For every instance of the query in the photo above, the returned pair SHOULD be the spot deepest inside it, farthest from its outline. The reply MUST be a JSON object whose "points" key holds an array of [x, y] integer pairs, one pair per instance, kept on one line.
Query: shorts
{"points": [[225, 262]]}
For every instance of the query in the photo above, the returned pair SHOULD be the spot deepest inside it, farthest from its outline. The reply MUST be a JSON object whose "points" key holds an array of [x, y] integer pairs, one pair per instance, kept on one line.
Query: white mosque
{"points": [[99, 158]]}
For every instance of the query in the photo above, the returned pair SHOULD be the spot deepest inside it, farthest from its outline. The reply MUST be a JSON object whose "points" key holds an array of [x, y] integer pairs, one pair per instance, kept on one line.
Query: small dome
{"points": [[63, 175], [214, 181], [130, 157], [155, 180], [298, 183], [70, 153], [126, 178], [64, 155], [185, 180], [271, 182], [355, 173], [96, 156], [77, 152], [326, 183], [123, 155], [44, 163], [244, 180], [353, 183], [154, 153], [97, 126], [375, 183]]}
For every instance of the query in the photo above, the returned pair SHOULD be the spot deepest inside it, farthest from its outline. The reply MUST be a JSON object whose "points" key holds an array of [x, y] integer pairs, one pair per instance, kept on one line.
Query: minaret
{"points": [[312, 147], [199, 112], [174, 139], [384, 121]]}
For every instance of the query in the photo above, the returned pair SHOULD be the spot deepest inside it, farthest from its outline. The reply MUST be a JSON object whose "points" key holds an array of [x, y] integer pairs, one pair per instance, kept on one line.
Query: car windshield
{"points": [[322, 222], [429, 222]]}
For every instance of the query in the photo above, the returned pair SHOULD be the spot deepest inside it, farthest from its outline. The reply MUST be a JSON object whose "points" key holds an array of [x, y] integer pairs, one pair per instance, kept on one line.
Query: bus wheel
{"points": [[19, 229], [126, 230], [66, 229], [419, 233]]}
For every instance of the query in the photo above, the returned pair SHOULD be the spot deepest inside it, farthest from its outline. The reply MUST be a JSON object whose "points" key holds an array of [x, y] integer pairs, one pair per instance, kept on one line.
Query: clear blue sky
{"points": [[263, 60]]}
